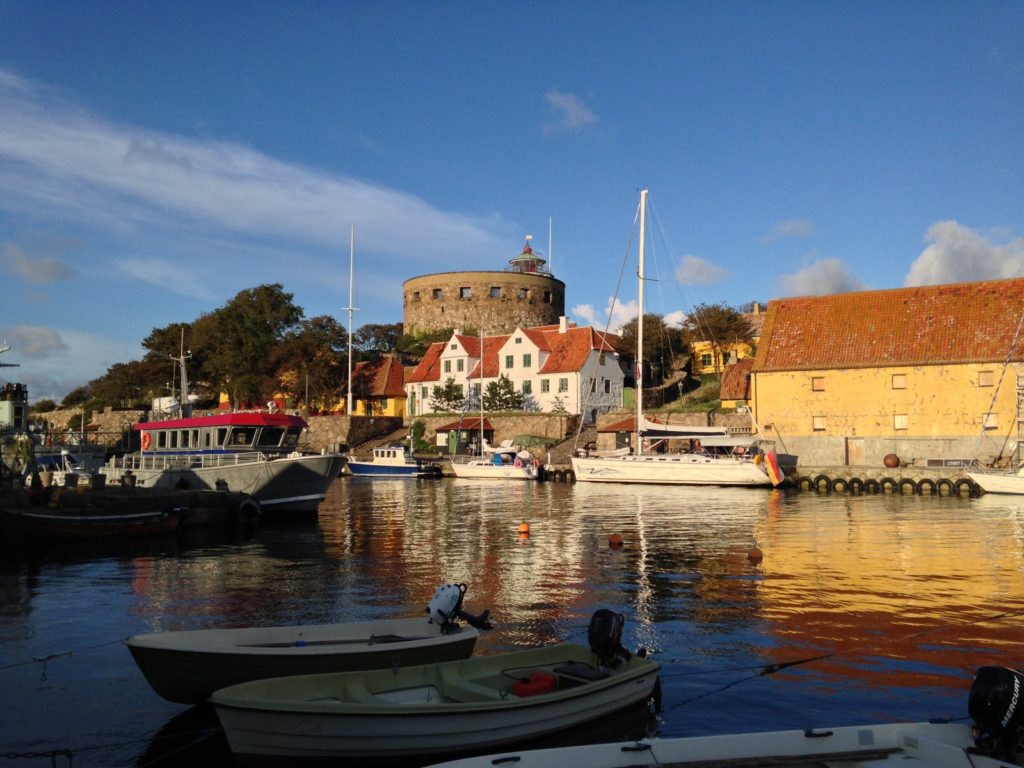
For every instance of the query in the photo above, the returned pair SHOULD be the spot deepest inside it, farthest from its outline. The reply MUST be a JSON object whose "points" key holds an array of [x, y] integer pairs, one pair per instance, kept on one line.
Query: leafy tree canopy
{"points": [[501, 395], [660, 340], [719, 325], [373, 340], [447, 398]]}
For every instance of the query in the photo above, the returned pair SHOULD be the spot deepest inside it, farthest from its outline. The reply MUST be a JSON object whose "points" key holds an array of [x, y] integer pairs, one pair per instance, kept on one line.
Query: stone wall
{"points": [[553, 427], [337, 433], [523, 299]]}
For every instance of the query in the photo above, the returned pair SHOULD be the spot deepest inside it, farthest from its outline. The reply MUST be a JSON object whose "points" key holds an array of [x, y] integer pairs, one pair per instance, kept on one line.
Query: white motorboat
{"points": [[994, 741], [188, 666], [477, 704]]}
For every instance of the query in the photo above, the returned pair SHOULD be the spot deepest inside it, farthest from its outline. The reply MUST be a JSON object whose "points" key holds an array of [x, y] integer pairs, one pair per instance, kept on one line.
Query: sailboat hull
{"points": [[679, 469], [992, 482]]}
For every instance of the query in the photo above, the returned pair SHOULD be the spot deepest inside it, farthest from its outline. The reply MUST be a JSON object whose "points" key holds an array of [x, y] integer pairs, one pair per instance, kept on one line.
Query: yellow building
{"points": [[704, 355], [378, 388], [919, 372]]}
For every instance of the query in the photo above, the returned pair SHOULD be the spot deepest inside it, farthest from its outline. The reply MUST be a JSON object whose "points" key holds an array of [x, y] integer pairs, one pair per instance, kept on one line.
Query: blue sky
{"points": [[157, 158]]}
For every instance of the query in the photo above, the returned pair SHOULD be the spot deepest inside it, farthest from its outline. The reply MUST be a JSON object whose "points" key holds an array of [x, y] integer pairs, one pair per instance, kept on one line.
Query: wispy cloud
{"points": [[693, 270], [788, 229], [568, 113], [60, 161], [821, 277], [960, 254], [38, 268]]}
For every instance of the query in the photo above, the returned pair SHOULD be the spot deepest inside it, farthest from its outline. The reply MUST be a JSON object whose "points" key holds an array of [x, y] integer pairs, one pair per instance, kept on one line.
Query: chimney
{"points": [[757, 308], [563, 324]]}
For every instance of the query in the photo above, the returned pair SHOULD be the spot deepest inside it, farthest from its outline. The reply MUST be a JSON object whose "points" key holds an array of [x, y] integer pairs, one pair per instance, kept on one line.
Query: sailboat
{"points": [[993, 481], [502, 462], [715, 458]]}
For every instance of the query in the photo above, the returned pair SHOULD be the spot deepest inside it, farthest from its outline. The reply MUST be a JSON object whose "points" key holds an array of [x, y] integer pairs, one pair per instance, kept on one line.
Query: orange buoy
{"points": [[615, 540], [755, 555], [524, 528]]}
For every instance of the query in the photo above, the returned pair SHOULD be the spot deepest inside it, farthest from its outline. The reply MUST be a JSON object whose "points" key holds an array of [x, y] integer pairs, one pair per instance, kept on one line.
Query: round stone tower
{"points": [[523, 294]]}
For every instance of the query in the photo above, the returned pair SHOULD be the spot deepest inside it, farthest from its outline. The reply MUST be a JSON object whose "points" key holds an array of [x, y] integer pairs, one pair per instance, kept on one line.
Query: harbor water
{"points": [[767, 609]]}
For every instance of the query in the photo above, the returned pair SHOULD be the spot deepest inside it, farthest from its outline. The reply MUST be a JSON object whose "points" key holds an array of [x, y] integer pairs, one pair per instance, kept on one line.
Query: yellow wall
{"points": [[938, 400], [700, 348], [393, 406]]}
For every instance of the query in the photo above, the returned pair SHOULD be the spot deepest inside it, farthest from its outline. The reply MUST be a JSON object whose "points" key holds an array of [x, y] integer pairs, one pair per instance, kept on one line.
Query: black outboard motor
{"points": [[605, 636], [996, 704]]}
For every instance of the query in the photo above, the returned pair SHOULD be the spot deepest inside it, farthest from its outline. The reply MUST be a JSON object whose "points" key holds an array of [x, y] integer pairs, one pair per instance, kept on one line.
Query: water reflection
{"points": [[898, 593]]}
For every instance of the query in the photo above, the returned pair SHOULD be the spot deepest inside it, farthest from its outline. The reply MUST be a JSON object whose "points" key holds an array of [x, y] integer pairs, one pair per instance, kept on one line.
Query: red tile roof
{"points": [[379, 378], [429, 368], [736, 380], [469, 423], [928, 325]]}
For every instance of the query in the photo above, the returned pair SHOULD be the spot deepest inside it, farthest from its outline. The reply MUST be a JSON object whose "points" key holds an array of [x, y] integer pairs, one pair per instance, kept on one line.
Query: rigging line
{"points": [[608, 322], [1006, 364]]}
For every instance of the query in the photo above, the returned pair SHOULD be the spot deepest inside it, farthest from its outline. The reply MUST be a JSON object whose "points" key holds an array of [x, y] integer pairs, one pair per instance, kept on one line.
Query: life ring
{"points": [[147, 440]]}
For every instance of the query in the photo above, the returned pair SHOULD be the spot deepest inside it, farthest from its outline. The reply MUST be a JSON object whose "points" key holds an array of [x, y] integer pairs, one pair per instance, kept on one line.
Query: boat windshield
{"points": [[270, 437], [241, 437]]}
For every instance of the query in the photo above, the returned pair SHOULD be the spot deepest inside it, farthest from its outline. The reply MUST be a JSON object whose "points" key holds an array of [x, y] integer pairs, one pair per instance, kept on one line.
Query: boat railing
{"points": [[159, 461]]}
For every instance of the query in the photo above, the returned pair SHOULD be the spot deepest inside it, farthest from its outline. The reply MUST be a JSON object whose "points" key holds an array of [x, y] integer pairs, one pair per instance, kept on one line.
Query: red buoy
{"points": [[615, 540]]}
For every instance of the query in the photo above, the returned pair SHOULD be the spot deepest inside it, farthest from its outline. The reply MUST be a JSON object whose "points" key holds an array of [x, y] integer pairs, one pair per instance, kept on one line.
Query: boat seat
{"points": [[580, 671], [458, 688]]}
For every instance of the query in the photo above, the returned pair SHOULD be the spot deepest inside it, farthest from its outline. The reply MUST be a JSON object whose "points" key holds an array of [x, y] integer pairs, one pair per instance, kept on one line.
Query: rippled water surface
{"points": [[871, 608]]}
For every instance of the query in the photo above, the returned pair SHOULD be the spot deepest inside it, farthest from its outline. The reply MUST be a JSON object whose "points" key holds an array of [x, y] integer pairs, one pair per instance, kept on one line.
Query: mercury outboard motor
{"points": [[605, 636], [446, 606], [996, 704]]}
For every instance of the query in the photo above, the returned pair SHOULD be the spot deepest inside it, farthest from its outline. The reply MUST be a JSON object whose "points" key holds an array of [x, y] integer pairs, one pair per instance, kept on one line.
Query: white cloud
{"points": [[33, 342], [821, 277], [570, 114], [62, 162], [959, 254], [620, 314], [38, 268], [693, 270], [788, 229]]}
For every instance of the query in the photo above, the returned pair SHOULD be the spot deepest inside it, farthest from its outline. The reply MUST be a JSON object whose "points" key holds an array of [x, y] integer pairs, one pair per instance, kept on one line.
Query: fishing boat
{"points": [[476, 704], [251, 452], [752, 467], [188, 666], [994, 741], [391, 461], [56, 525]]}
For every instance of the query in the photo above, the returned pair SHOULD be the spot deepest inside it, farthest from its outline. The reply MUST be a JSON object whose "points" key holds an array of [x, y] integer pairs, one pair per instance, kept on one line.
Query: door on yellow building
{"points": [[854, 451]]}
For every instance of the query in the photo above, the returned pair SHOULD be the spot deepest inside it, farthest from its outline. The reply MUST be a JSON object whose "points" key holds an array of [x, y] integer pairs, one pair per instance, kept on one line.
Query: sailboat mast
{"points": [[481, 392], [640, 329], [351, 309]]}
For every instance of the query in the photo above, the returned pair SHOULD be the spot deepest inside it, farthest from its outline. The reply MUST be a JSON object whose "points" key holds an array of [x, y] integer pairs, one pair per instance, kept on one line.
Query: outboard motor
{"points": [[996, 704], [605, 636], [446, 606]]}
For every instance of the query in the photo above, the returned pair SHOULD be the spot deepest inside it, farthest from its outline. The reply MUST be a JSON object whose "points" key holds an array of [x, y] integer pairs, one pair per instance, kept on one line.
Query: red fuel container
{"points": [[536, 683]]}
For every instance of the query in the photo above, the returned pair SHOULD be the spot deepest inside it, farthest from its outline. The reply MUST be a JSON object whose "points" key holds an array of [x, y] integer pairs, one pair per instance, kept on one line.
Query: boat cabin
{"points": [[272, 433]]}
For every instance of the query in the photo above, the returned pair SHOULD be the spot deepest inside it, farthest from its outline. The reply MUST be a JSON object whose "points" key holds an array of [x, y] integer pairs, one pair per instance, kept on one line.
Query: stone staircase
{"points": [[561, 452], [364, 451]]}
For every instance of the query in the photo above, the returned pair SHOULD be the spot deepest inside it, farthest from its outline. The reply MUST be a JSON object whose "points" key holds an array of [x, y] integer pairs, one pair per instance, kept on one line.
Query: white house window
{"points": [[447, 366], [545, 385], [900, 421], [563, 385], [818, 423], [424, 393], [899, 381], [602, 359], [518, 340], [527, 387], [705, 360], [527, 361], [509, 362]]}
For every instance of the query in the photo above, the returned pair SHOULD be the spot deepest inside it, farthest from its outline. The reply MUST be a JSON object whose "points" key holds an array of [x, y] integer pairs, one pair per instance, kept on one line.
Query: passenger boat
{"points": [[52, 525], [252, 452], [994, 741], [188, 666], [477, 704], [393, 461]]}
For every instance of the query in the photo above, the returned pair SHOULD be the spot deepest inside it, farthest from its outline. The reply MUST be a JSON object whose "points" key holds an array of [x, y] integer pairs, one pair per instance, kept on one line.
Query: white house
{"points": [[563, 365]]}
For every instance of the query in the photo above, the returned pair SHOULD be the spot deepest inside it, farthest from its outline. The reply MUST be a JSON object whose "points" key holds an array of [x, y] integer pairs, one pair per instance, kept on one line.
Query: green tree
{"points": [[447, 398], [128, 384], [312, 357], [76, 398], [501, 395], [239, 339], [719, 325], [663, 345], [373, 339], [44, 406]]}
